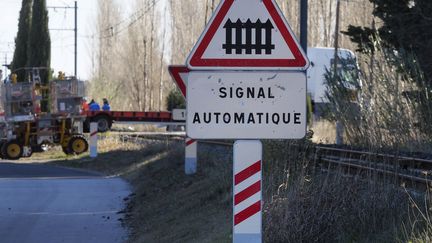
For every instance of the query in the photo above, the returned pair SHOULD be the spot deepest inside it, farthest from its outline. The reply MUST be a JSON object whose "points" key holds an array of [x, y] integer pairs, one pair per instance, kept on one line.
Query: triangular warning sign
{"points": [[247, 35], [179, 74]]}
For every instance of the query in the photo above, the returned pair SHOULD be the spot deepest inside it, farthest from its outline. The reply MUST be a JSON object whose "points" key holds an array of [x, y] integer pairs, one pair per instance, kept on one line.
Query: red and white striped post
{"points": [[93, 139], [191, 156], [247, 196]]}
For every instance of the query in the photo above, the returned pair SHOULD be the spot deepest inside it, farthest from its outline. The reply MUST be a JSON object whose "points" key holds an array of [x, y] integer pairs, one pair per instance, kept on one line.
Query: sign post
{"points": [[180, 76], [191, 156], [93, 139], [247, 81], [247, 196]]}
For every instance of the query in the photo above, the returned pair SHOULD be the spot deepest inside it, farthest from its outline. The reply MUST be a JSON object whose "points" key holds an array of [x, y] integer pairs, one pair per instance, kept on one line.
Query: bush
{"points": [[175, 100]]}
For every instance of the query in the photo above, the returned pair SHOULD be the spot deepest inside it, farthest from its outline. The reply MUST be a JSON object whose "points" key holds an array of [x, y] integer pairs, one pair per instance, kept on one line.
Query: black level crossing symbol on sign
{"points": [[258, 28]]}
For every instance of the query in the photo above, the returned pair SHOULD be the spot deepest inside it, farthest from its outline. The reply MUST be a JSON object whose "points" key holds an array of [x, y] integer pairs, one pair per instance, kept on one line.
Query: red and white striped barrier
{"points": [[191, 156], [93, 139], [247, 196]]}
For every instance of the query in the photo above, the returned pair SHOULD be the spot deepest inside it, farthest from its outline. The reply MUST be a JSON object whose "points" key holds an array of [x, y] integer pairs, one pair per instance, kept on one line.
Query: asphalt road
{"points": [[40, 203]]}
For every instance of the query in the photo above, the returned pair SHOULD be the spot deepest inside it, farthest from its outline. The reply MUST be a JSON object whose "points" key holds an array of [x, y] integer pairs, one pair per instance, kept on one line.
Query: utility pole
{"points": [[304, 24], [75, 29], [339, 124], [7, 51], [5, 65], [76, 39], [336, 44]]}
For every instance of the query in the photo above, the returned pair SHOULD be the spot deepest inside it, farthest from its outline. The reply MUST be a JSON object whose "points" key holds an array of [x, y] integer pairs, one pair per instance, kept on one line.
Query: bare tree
{"points": [[132, 49], [104, 85], [162, 67]]}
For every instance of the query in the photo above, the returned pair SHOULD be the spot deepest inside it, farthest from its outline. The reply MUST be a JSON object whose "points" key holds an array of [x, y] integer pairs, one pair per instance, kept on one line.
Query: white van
{"points": [[322, 59]]}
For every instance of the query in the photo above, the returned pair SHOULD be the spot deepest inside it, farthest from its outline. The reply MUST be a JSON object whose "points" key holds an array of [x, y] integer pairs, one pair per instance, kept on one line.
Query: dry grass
{"points": [[116, 157], [138, 128], [391, 111], [173, 207], [332, 208], [418, 227], [55, 153], [303, 203]]}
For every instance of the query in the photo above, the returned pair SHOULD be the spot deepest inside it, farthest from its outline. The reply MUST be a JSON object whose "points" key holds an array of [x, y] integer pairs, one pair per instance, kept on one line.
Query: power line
{"points": [[75, 8], [133, 18], [65, 3]]}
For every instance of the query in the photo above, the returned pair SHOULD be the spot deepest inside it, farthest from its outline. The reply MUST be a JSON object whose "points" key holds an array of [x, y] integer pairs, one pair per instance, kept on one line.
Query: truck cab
{"points": [[321, 62]]}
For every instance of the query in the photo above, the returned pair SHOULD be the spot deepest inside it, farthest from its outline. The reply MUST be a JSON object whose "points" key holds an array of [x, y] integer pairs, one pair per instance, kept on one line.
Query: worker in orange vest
{"points": [[84, 106]]}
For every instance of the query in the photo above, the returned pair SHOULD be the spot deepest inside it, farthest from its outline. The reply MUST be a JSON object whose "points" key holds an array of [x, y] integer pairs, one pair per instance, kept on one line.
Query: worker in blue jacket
{"points": [[93, 106], [106, 106]]}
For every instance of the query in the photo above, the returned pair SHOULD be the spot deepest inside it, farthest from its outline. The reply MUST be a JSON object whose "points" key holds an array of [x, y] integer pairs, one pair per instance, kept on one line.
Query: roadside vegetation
{"points": [[306, 202], [303, 202]]}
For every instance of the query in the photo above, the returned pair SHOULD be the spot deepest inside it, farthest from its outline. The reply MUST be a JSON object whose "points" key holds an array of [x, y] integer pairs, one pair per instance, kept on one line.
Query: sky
{"points": [[62, 42]]}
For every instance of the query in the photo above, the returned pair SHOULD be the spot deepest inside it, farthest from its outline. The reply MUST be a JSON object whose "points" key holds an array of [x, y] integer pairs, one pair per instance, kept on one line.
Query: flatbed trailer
{"points": [[105, 119]]}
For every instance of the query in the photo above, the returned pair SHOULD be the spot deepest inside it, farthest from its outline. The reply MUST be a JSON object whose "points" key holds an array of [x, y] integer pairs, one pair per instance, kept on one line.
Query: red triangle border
{"points": [[175, 72], [299, 61]]}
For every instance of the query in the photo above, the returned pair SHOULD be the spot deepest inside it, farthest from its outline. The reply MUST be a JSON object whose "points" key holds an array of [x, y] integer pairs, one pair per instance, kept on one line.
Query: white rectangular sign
{"points": [[246, 105], [179, 114]]}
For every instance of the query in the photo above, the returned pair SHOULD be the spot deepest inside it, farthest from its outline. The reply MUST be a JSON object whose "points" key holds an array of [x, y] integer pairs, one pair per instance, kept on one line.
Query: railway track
{"points": [[410, 171], [401, 169], [413, 172], [134, 136]]}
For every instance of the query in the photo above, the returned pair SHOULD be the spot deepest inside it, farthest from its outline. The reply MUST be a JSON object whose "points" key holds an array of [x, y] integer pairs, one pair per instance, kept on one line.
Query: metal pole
{"points": [[93, 139], [5, 69], [336, 56], [76, 38], [304, 24], [247, 193], [339, 124], [191, 156]]}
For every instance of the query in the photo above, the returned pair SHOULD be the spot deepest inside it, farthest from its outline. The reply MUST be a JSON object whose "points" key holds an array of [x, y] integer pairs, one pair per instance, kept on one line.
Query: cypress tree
{"points": [[21, 40], [39, 45]]}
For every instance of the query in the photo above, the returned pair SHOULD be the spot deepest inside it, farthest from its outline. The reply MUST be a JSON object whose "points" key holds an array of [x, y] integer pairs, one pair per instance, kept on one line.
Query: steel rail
{"points": [[322, 157], [375, 154], [401, 175]]}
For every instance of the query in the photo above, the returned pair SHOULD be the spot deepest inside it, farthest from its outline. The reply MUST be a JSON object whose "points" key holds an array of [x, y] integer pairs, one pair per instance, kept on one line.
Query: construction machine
{"points": [[41, 113]]}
